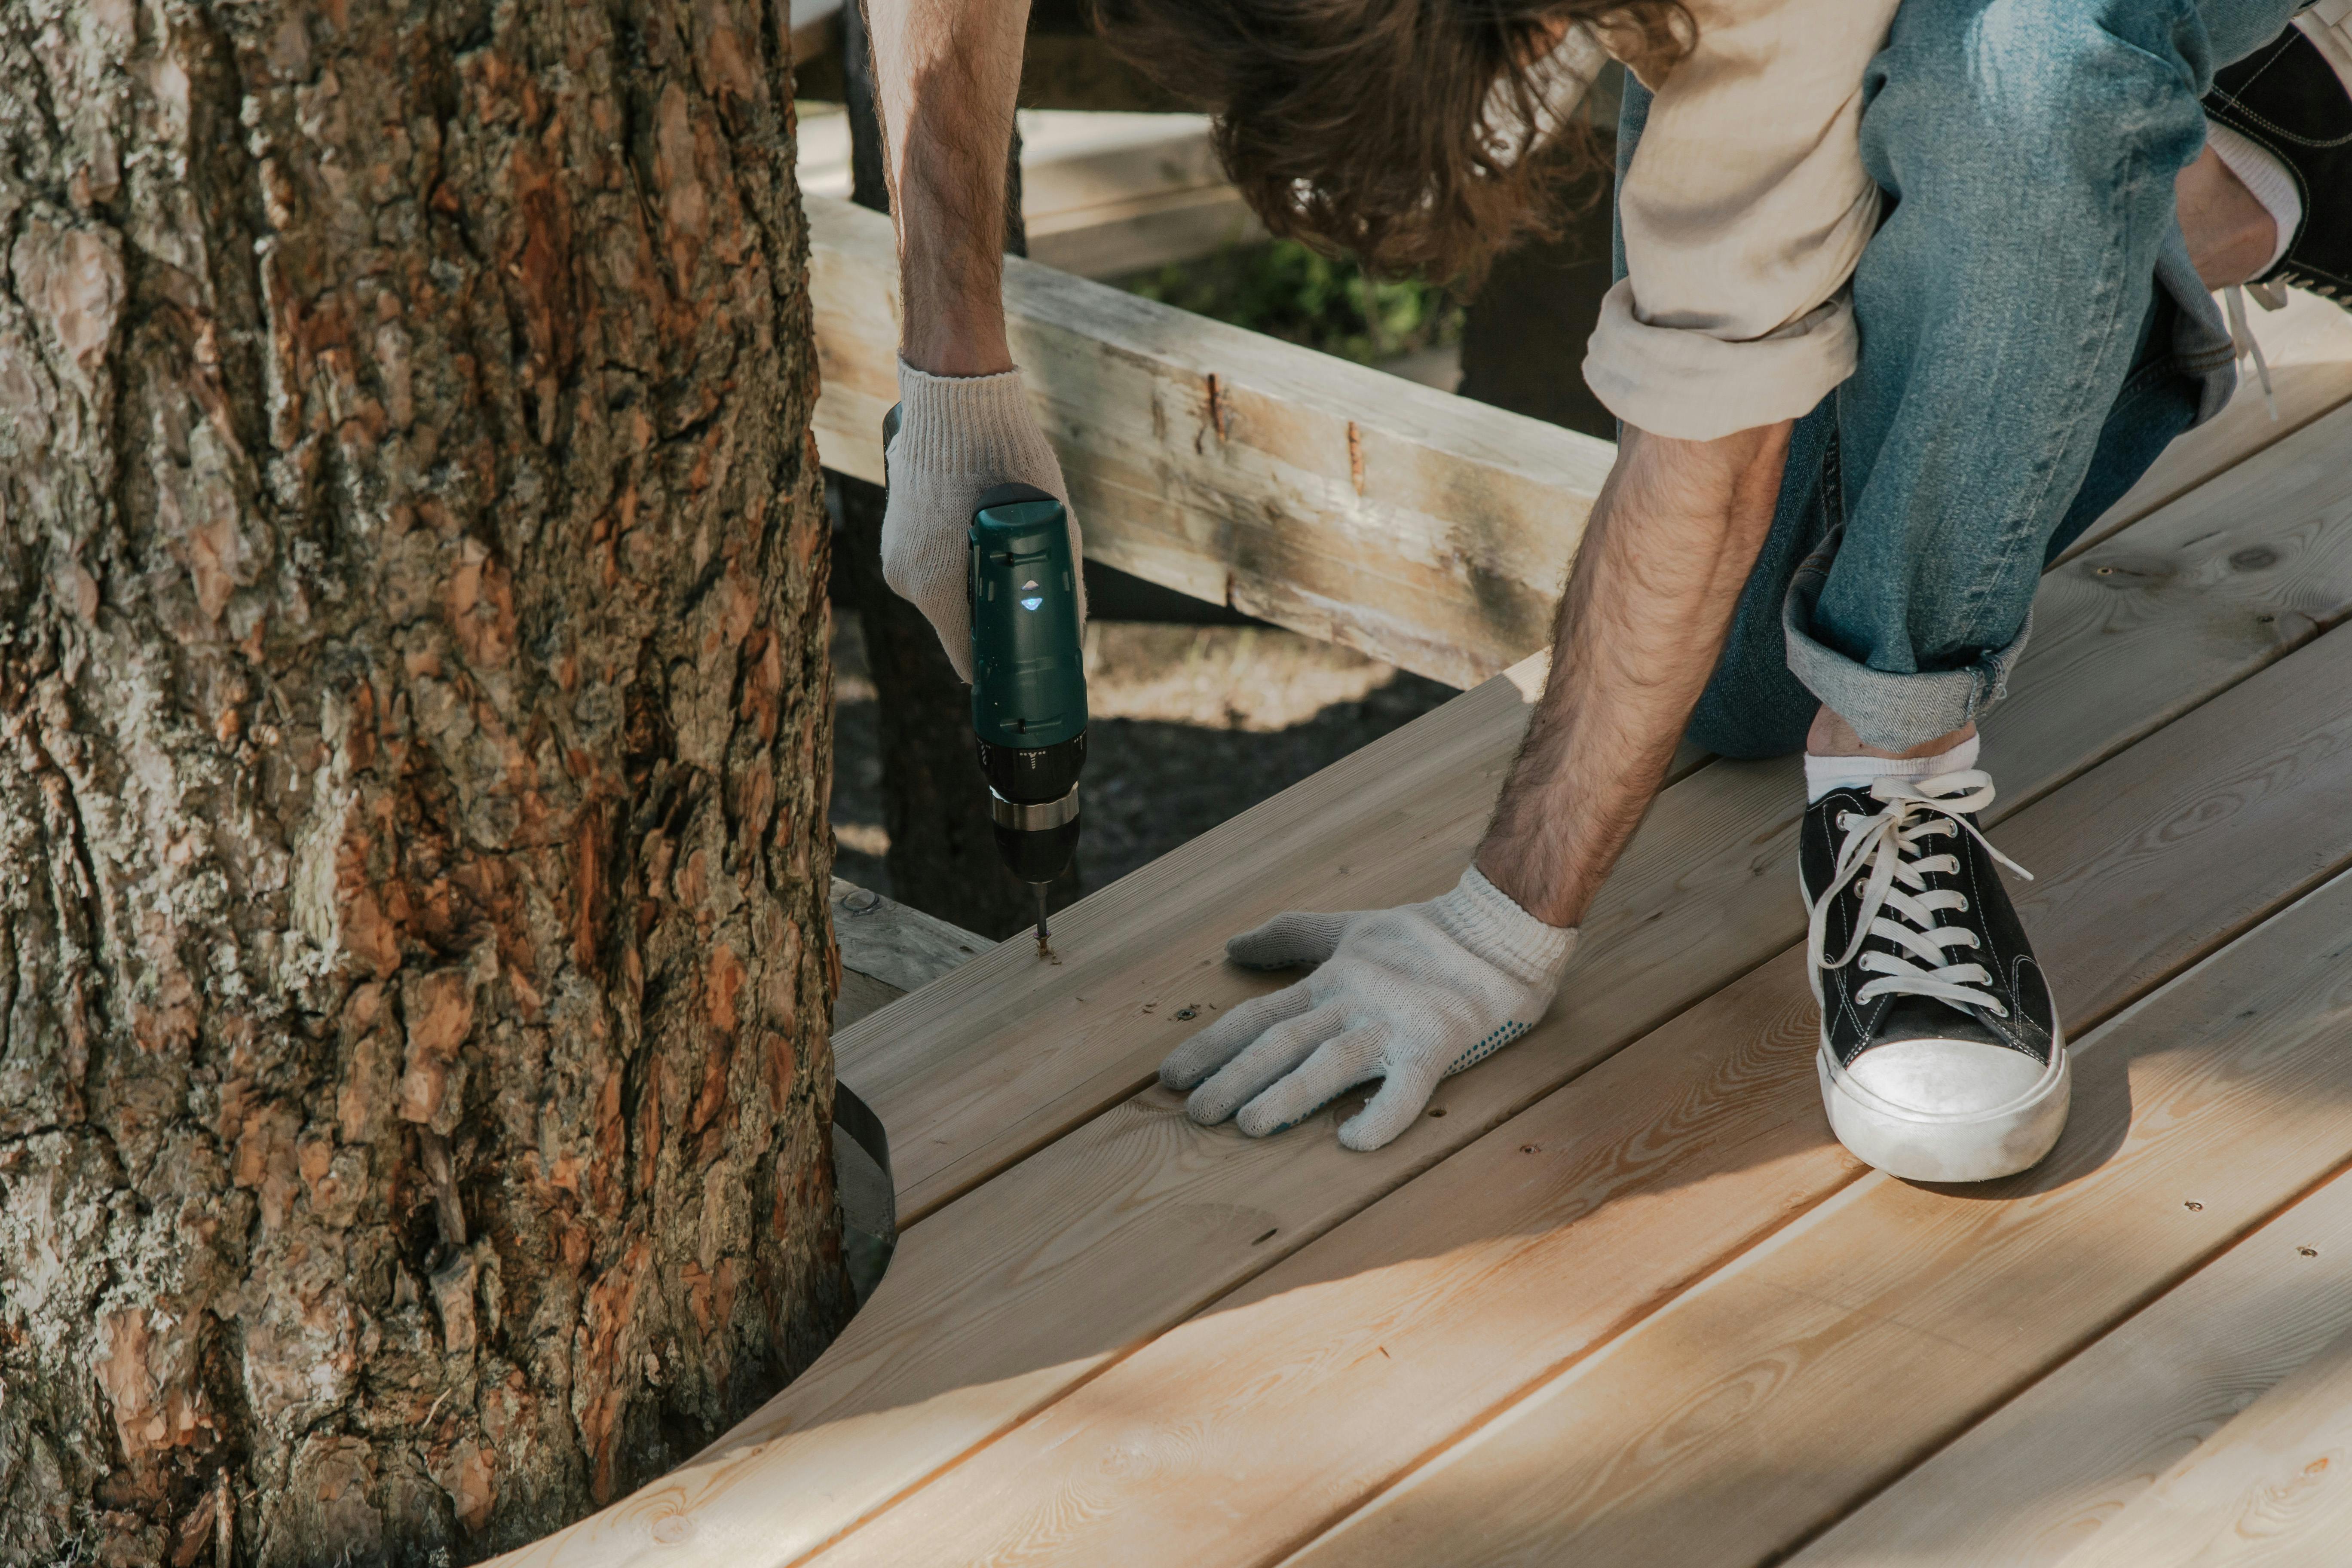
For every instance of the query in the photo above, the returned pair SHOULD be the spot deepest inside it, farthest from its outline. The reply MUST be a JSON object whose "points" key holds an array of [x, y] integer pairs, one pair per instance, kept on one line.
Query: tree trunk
{"points": [[943, 858], [414, 726]]}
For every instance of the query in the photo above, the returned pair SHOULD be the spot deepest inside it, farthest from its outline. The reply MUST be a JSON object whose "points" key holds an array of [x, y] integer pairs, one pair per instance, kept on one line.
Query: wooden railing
{"points": [[1425, 529]]}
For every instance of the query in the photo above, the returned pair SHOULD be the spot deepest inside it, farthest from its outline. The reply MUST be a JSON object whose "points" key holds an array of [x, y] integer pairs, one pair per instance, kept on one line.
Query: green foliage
{"points": [[1286, 290]]}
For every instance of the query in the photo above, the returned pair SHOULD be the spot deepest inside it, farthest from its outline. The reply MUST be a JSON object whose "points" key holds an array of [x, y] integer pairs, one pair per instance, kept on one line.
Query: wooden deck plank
{"points": [[1032, 1284], [1312, 1385], [2309, 346], [1762, 1403], [888, 949], [1142, 1209], [2039, 1477], [1005, 1055], [2274, 1487]]}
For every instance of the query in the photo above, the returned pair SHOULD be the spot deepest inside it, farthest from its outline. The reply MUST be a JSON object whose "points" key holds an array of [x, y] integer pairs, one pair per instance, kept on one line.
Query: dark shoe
{"points": [[2289, 99], [1941, 1058]]}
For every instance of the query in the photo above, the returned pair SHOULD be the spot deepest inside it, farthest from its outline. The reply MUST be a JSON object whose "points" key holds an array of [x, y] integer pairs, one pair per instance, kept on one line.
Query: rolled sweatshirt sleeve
{"points": [[1744, 212]]}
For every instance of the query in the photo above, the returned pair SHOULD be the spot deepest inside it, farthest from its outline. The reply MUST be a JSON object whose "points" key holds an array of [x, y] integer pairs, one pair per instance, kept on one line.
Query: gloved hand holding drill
{"points": [[958, 437]]}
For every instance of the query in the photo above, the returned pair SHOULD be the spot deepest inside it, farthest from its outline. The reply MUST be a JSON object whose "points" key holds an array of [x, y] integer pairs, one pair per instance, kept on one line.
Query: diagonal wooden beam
{"points": [[1356, 507]]}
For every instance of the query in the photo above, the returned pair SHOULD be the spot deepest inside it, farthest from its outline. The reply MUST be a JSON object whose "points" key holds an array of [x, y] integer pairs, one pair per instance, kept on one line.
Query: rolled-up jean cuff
{"points": [[1889, 711]]}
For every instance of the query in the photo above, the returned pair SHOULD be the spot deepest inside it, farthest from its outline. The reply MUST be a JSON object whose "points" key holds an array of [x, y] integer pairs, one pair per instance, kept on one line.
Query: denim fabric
{"points": [[2032, 336]]}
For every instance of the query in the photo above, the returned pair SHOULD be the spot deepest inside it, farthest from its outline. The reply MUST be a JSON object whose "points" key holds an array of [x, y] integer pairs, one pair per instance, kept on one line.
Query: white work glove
{"points": [[1408, 995], [959, 437]]}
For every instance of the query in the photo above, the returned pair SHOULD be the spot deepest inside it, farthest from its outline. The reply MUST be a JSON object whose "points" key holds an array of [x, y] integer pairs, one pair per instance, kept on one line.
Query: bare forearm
{"points": [[1668, 548], [948, 73]]}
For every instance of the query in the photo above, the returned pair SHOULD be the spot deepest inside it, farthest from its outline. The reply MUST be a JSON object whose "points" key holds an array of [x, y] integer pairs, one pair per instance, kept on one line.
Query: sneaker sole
{"points": [[1921, 1146]]}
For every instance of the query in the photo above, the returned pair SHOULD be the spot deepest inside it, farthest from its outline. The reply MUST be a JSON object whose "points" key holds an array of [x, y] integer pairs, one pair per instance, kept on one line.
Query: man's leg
{"points": [[1992, 271], [2033, 333]]}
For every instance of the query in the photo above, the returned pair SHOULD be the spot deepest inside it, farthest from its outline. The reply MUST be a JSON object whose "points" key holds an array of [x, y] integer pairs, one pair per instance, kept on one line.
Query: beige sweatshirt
{"points": [[1744, 212]]}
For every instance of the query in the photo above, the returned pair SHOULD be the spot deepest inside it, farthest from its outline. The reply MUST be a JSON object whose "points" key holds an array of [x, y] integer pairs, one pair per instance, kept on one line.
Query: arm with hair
{"points": [[1658, 575], [1408, 995], [947, 73]]}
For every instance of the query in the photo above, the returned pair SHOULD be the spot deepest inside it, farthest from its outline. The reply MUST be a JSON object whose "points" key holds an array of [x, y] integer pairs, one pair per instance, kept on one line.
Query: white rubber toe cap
{"points": [[1945, 1078], [1947, 1111]]}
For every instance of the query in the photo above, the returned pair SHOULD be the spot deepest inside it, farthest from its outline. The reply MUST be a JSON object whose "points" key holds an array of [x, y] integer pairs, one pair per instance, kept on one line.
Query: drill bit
{"points": [[1042, 933]]}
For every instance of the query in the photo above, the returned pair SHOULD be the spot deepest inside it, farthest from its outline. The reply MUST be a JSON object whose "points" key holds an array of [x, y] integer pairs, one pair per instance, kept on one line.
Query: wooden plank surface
{"points": [[1102, 192], [1034, 1283], [2274, 1487], [1760, 1403], [2039, 1477], [897, 943], [1008, 1053], [1310, 1386], [1423, 528], [1145, 1192], [2309, 346]]}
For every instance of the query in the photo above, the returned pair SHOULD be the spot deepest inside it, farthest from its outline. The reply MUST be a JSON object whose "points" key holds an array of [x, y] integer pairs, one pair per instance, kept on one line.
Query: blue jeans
{"points": [[2032, 336]]}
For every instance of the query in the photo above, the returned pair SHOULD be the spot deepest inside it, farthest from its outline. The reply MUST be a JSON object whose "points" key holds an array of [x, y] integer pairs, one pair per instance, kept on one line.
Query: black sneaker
{"points": [[1941, 1058], [2289, 98]]}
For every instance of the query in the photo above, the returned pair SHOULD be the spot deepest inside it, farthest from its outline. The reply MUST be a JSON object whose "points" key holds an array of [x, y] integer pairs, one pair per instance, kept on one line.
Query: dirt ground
{"points": [[1189, 725]]}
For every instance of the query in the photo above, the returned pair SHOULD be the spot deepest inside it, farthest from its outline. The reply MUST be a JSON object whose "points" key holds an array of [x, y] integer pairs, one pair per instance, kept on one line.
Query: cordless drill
{"points": [[1028, 677]]}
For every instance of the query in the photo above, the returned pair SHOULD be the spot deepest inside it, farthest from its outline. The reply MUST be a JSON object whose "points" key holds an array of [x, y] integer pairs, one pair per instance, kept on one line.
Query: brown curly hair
{"points": [[1417, 135]]}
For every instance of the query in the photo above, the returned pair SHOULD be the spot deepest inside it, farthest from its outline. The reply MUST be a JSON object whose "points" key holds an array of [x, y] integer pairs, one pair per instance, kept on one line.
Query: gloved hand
{"points": [[958, 437], [1407, 995]]}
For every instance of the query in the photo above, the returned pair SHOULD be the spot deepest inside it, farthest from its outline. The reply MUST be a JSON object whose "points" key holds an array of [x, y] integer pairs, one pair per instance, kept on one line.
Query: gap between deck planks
{"points": [[2040, 1476], [1139, 1219], [1726, 1426], [1315, 1385], [1006, 1054]]}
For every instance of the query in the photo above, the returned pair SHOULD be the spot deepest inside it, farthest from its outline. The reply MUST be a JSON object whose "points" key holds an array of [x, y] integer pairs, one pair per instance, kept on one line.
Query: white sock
{"points": [[2329, 25], [1824, 775], [2270, 181]]}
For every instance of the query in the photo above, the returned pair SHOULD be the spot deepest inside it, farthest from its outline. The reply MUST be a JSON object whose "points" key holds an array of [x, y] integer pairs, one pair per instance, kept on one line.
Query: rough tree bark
{"points": [[413, 740]]}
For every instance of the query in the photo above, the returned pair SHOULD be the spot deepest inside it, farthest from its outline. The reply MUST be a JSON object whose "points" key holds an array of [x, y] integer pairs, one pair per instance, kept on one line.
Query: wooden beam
{"points": [[1422, 528], [888, 949], [2044, 1473], [1102, 192]]}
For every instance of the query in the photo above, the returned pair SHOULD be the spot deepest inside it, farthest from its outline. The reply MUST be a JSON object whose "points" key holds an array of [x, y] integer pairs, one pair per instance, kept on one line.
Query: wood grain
{"points": [[1040, 1278], [2040, 1476], [1031, 1284], [1310, 1386], [2309, 346], [1425, 529], [1763, 1401], [897, 943], [2274, 1487], [1007, 1053]]}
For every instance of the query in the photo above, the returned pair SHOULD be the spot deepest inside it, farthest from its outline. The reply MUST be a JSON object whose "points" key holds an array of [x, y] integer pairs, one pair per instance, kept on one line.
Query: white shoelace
{"points": [[1897, 902], [2271, 296]]}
